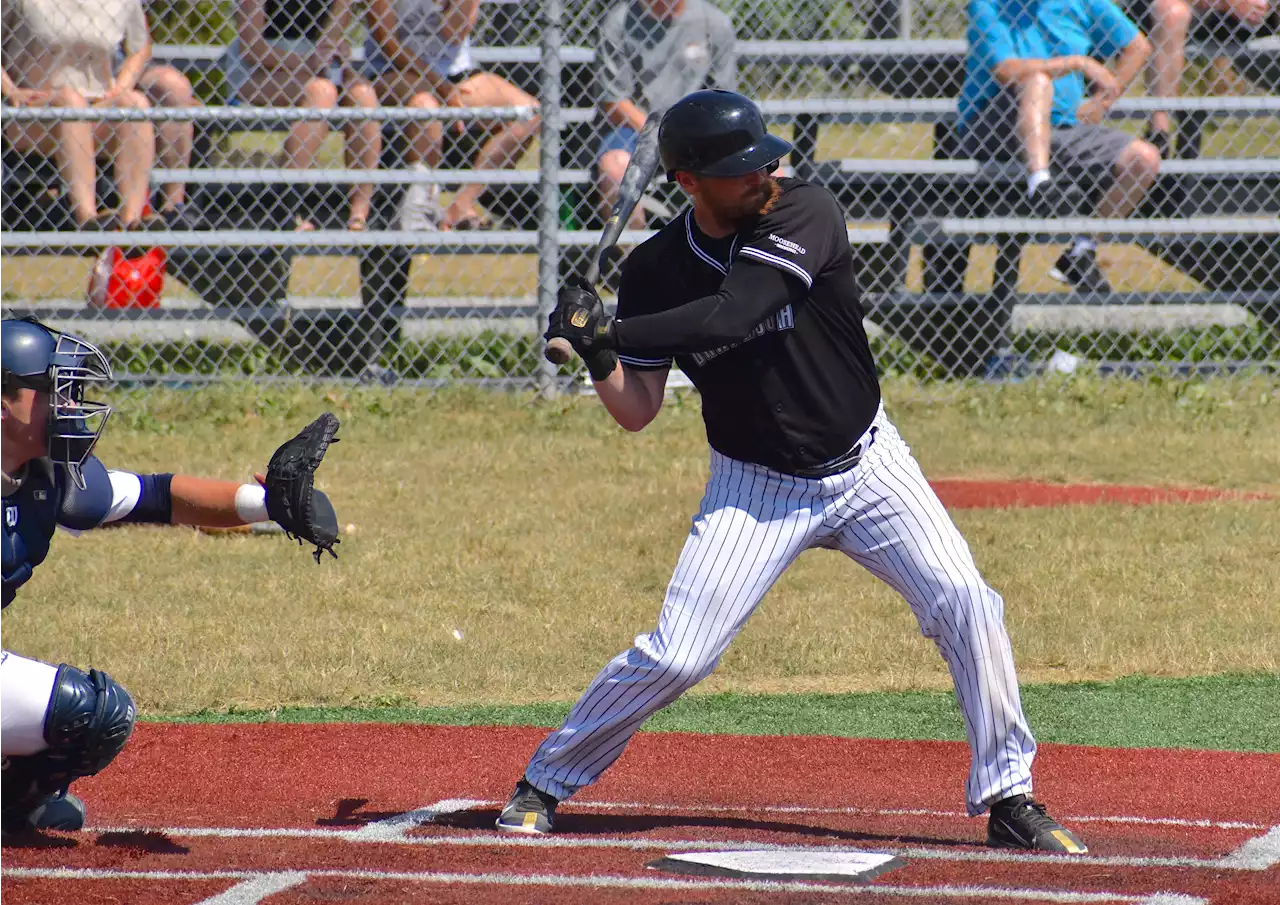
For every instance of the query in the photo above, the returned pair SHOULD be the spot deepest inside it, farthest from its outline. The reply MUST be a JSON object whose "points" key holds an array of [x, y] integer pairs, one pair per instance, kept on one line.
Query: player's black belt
{"points": [[842, 462]]}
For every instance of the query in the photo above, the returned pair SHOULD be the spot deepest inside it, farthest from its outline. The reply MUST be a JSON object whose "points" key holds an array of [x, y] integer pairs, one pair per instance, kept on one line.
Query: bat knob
{"points": [[558, 350]]}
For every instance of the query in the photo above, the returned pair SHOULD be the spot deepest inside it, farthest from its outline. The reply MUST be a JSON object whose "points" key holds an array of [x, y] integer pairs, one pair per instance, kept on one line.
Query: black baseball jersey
{"points": [[800, 388]]}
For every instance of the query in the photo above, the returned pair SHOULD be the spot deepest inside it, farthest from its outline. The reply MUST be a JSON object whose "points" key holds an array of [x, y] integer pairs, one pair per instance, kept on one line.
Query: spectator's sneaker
{"points": [[1161, 140], [529, 811], [420, 207], [1081, 271], [1022, 822], [1057, 198]]}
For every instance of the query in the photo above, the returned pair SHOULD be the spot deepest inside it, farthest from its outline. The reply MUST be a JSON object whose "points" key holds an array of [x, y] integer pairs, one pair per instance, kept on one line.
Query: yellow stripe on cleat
{"points": [[1068, 843], [530, 820]]}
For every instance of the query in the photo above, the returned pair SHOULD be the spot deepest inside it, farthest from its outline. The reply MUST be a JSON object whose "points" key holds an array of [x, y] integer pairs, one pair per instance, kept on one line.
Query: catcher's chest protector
{"points": [[30, 517]]}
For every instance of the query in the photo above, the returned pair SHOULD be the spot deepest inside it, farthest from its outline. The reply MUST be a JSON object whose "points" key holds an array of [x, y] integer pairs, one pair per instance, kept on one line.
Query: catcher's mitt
{"points": [[292, 501]]}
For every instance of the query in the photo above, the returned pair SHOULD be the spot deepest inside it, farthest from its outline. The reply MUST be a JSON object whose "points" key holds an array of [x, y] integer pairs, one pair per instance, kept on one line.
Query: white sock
{"points": [[1035, 180], [1081, 246]]}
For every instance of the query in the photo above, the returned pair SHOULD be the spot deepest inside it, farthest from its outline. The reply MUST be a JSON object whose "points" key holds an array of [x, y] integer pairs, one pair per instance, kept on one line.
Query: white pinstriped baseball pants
{"points": [[752, 524]]}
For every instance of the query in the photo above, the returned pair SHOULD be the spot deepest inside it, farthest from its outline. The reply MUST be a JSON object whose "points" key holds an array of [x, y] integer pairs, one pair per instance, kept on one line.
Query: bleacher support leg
{"points": [[384, 283]]}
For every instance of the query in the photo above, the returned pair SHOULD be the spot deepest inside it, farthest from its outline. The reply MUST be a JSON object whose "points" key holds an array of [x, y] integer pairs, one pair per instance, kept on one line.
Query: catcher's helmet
{"points": [[716, 133], [43, 359]]}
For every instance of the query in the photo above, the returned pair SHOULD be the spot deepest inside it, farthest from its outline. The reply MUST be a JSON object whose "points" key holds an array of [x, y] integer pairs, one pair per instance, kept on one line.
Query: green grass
{"points": [[545, 526], [1227, 713]]}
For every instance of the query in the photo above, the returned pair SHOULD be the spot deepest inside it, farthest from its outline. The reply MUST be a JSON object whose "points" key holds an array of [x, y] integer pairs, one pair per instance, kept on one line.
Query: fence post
{"points": [[549, 185]]}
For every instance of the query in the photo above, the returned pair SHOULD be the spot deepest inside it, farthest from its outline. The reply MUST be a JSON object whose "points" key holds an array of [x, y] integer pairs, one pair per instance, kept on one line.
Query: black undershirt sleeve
{"points": [[751, 292]]}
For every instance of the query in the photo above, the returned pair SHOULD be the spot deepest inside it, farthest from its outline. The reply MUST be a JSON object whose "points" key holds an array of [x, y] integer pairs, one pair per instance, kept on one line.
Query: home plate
{"points": [[782, 864]]}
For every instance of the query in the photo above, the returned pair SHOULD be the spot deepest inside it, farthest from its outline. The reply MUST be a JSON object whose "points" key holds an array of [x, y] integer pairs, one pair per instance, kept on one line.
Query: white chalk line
{"points": [[902, 812], [393, 829], [254, 889], [1259, 853], [1067, 897], [482, 839]]}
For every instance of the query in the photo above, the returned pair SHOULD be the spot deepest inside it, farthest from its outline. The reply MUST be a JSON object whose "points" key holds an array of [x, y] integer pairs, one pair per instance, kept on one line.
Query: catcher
{"points": [[60, 723]]}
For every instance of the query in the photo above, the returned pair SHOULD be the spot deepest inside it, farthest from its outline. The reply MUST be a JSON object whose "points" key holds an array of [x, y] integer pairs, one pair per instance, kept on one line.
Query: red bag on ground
{"points": [[117, 281]]}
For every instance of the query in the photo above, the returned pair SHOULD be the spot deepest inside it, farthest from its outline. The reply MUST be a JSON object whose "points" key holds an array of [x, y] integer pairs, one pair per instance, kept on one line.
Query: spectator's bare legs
{"points": [[1171, 21], [1135, 172], [505, 145], [133, 151], [165, 86], [364, 145], [426, 139], [281, 88], [305, 139], [1035, 102], [610, 168], [132, 148], [74, 149], [419, 202]]}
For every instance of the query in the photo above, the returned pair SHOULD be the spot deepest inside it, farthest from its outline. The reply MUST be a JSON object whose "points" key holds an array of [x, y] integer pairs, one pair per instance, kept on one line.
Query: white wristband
{"points": [[251, 503]]}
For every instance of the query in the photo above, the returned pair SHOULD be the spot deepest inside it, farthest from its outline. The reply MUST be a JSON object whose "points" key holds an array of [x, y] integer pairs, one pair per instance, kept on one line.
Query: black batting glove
{"points": [[580, 318]]}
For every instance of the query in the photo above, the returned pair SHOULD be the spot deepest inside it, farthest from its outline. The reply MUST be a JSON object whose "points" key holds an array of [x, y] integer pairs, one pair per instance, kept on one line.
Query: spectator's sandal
{"points": [[102, 222], [303, 225], [472, 221], [357, 224], [153, 223]]}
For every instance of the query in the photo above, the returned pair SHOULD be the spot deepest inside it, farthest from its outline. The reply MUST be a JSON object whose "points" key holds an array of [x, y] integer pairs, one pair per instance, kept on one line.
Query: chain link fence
{"points": [[301, 189]]}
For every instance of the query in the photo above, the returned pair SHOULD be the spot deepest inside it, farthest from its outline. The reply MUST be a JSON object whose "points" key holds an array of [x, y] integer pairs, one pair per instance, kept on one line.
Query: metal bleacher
{"points": [[942, 205]]}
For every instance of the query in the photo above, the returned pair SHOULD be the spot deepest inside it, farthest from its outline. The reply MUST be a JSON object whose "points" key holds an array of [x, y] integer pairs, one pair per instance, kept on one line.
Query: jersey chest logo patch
{"points": [[11, 516]]}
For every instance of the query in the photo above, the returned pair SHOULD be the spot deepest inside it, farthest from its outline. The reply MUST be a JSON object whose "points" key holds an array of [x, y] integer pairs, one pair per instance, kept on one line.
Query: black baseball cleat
{"points": [[60, 811], [1081, 271], [1020, 821], [529, 811]]}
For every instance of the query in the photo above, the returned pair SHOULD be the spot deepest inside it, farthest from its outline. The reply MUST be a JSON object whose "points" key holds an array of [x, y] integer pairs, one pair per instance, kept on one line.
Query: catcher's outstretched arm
{"points": [[216, 504], [286, 494], [181, 499], [178, 499]]}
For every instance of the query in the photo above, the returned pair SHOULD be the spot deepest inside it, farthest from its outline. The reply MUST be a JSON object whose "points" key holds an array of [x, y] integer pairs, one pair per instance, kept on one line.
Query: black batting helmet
{"points": [[716, 133]]}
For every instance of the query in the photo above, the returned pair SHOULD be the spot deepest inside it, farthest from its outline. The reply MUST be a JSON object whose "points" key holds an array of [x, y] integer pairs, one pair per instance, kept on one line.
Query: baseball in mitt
{"points": [[303, 512]]}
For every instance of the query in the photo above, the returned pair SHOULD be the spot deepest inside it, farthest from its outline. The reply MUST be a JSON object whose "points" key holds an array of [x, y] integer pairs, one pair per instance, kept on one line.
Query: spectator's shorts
{"points": [[1087, 151], [456, 69], [623, 138], [236, 69]]}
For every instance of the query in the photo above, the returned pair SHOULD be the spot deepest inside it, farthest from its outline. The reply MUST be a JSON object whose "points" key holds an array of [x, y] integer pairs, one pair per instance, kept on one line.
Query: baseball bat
{"points": [[639, 172]]}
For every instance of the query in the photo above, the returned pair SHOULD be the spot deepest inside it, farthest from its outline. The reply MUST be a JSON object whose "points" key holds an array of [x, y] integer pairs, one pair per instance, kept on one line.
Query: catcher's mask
{"points": [[60, 365]]}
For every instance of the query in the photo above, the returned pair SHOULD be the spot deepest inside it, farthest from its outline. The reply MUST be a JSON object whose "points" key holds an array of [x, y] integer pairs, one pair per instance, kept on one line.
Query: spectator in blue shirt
{"points": [[1025, 90]]}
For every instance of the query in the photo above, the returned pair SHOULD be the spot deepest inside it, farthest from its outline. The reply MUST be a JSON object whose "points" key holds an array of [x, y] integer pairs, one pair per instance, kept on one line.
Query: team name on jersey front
{"points": [[781, 320]]}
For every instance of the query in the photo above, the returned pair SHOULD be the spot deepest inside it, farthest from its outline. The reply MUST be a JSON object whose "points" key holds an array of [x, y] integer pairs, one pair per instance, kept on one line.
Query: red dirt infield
{"points": [[375, 813]]}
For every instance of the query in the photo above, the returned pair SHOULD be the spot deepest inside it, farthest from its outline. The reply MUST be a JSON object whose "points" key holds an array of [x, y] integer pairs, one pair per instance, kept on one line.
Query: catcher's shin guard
{"points": [[90, 719]]}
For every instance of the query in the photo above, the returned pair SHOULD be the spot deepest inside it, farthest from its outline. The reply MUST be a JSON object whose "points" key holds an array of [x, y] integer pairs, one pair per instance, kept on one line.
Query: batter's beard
{"points": [[770, 192]]}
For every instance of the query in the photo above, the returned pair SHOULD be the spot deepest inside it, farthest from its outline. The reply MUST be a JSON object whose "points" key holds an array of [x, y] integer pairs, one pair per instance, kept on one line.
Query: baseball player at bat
{"points": [[59, 723], [751, 292]]}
